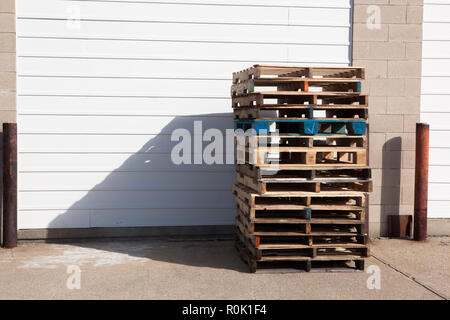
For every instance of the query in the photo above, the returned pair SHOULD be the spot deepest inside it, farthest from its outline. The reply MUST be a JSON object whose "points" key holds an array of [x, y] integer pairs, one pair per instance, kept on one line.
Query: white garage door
{"points": [[102, 85], [436, 101]]}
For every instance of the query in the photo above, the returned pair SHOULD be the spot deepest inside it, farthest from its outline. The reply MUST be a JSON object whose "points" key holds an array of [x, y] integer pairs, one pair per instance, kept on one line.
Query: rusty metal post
{"points": [[421, 182], [366, 206], [9, 185]]}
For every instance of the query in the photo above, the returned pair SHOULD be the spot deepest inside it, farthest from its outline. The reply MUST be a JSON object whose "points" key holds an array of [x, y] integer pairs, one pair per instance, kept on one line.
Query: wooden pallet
{"points": [[301, 112], [280, 226], [285, 157], [286, 185], [321, 213], [301, 196], [329, 263], [298, 127], [318, 213], [297, 85], [288, 151], [334, 212], [305, 173], [259, 71], [299, 200], [298, 99], [262, 251]]}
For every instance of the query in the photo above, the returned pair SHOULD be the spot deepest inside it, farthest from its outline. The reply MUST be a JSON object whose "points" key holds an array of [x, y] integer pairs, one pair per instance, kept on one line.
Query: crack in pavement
{"points": [[412, 278]]}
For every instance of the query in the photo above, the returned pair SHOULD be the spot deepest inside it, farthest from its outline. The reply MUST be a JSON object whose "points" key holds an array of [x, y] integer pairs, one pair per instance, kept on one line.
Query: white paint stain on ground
{"points": [[83, 256]]}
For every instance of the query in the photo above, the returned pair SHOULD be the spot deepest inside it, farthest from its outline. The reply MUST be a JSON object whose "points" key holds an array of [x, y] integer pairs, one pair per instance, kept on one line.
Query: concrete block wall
{"points": [[391, 53]]}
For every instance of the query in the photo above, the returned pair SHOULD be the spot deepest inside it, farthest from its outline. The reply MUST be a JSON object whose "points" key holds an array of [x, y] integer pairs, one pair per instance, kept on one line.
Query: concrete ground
{"points": [[156, 269]]}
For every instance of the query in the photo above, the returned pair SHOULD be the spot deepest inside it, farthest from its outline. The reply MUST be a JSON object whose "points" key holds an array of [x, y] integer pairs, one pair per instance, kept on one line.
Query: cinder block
{"points": [[405, 32], [7, 6], [385, 195], [414, 50], [376, 175], [404, 69], [7, 116], [7, 100], [364, 86], [407, 176], [376, 146], [388, 14], [412, 87], [414, 14], [409, 122], [391, 209], [377, 105], [407, 141], [374, 229], [384, 229], [386, 87], [386, 123], [375, 69], [377, 141], [375, 213], [379, 50], [7, 42], [377, 229], [408, 159], [392, 160], [362, 33], [407, 194], [386, 177], [395, 142], [377, 179], [7, 22], [376, 160], [8, 62], [406, 209], [403, 105], [8, 81], [375, 196]]}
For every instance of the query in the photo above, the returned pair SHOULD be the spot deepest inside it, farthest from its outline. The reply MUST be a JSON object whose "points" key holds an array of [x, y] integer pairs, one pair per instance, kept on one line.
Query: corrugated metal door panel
{"points": [[102, 85], [435, 102]]}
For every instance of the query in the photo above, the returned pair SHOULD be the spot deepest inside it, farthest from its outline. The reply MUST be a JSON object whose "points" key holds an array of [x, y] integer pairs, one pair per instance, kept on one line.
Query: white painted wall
{"points": [[436, 102], [97, 104]]}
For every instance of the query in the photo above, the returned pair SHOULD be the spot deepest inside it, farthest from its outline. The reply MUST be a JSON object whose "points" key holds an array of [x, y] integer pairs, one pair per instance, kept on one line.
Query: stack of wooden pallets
{"points": [[301, 195]]}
